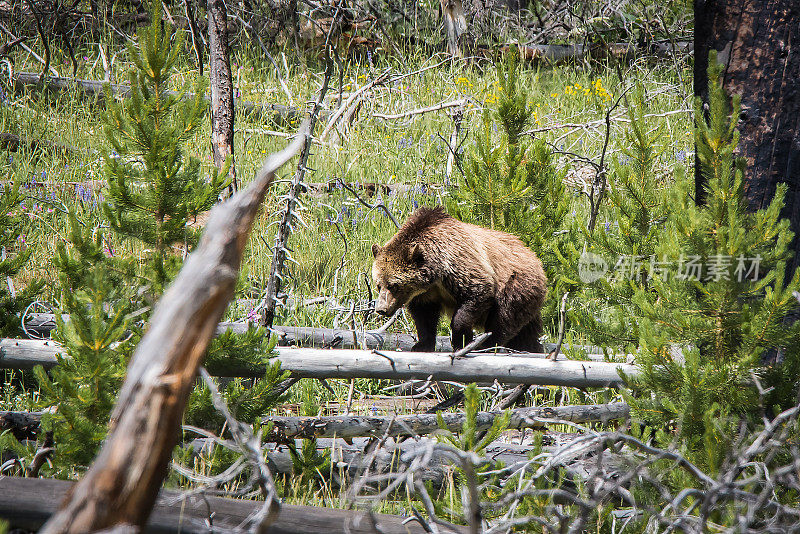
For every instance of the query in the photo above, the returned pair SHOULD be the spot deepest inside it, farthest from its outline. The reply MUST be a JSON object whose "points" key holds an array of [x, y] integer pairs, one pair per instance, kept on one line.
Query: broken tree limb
{"points": [[30, 51], [349, 426], [26, 503], [351, 102], [22, 425], [289, 217], [122, 484]]}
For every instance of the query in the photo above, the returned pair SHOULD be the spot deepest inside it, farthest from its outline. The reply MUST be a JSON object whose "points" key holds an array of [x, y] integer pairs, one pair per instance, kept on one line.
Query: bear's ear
{"points": [[416, 254], [376, 249]]}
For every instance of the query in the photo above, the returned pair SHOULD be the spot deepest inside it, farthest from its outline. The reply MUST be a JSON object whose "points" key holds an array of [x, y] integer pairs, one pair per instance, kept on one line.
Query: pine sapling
{"points": [[725, 306], [153, 187]]}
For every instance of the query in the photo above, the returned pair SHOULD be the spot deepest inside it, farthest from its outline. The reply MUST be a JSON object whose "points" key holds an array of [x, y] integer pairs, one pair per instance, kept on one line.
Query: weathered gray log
{"points": [[398, 456], [349, 363], [276, 113], [308, 336], [27, 503], [25, 354], [122, 484], [348, 426], [475, 367], [12, 142]]}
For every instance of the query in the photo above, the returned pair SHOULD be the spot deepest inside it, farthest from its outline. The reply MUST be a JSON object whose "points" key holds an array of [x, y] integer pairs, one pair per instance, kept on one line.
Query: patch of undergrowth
{"points": [[728, 315]]}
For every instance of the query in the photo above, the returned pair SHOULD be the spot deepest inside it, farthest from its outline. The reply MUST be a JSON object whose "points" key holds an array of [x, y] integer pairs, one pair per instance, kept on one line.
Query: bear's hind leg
{"points": [[425, 315], [527, 339], [464, 320]]}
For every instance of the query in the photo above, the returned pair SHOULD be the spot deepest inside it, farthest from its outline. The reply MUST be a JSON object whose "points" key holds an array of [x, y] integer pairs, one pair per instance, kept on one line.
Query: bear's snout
{"points": [[386, 304]]}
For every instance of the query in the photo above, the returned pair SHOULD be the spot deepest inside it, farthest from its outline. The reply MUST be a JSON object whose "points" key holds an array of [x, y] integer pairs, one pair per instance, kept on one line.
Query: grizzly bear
{"points": [[478, 277]]}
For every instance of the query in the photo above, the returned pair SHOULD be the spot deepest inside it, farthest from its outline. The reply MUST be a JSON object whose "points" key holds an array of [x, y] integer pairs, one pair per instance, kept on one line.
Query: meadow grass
{"points": [[409, 151]]}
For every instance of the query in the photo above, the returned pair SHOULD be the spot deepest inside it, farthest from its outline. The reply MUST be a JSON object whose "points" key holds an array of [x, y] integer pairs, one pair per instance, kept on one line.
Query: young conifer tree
{"points": [[13, 257], [629, 230], [84, 384], [153, 187], [510, 182], [729, 313]]}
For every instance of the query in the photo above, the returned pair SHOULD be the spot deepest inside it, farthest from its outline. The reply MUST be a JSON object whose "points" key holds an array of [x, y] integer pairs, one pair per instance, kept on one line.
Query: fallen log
{"points": [[42, 324], [349, 363], [346, 426], [474, 367], [27, 503], [276, 113], [12, 143], [21, 425], [25, 354]]}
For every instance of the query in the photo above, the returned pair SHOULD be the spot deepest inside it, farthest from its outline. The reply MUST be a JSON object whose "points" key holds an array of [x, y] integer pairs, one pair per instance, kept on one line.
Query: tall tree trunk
{"points": [[455, 25], [222, 115], [757, 41]]}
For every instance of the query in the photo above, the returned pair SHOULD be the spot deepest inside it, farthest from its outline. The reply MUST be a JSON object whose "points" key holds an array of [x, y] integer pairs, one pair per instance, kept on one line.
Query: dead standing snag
{"points": [[122, 484]]}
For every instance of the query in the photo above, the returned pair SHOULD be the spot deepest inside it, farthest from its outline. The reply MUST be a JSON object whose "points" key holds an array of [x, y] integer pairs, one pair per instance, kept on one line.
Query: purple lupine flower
{"points": [[681, 156]]}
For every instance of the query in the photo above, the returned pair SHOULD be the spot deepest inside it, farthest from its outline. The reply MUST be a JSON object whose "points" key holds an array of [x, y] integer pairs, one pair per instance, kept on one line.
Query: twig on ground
{"points": [[562, 317]]}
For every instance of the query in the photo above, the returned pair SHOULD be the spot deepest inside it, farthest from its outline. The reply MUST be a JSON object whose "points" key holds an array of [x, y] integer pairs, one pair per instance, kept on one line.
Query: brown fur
{"points": [[481, 278]]}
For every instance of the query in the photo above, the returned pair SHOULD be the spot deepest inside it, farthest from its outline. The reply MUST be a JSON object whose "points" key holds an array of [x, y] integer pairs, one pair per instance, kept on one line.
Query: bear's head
{"points": [[400, 273]]}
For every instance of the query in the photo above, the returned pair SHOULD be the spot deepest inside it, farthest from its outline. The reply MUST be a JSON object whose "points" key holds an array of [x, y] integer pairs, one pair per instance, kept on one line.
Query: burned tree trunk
{"points": [[455, 25], [222, 114], [757, 43]]}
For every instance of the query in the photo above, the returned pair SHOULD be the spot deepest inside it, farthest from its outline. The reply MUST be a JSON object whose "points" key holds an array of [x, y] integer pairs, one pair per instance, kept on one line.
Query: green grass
{"points": [[407, 150]]}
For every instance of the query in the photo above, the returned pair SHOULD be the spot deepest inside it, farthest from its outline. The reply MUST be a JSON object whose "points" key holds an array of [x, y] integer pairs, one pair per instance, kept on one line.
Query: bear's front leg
{"points": [[425, 315], [464, 320]]}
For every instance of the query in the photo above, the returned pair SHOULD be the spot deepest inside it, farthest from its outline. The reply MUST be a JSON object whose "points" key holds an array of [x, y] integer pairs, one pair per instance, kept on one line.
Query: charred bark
{"points": [[222, 113], [757, 41]]}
